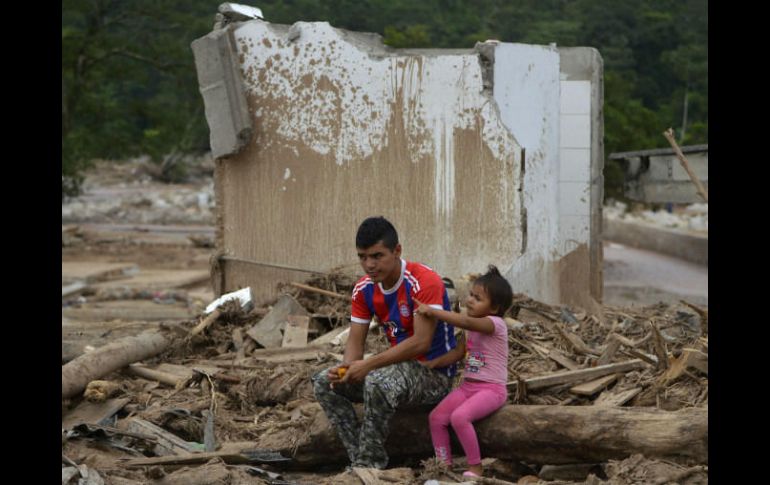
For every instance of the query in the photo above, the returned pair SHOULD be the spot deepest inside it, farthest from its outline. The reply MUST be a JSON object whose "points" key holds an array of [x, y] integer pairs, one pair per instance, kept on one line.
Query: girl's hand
{"points": [[423, 309]]}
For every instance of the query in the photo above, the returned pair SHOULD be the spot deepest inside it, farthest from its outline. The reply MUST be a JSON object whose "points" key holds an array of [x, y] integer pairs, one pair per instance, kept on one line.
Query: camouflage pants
{"points": [[384, 390]]}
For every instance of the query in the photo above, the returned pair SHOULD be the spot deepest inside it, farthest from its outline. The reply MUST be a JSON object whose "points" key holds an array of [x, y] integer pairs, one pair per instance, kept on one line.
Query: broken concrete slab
{"points": [[295, 333], [267, 332]]}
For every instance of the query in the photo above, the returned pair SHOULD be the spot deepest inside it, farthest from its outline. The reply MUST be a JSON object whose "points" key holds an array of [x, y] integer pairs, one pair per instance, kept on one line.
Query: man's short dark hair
{"points": [[374, 230]]}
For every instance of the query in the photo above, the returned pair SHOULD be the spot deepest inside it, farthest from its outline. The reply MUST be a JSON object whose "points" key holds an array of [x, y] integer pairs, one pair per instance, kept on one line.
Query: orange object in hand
{"points": [[341, 371]]}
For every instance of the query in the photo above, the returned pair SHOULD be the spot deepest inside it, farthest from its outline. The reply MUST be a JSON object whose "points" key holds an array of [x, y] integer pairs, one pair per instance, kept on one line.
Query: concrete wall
{"points": [[344, 128]]}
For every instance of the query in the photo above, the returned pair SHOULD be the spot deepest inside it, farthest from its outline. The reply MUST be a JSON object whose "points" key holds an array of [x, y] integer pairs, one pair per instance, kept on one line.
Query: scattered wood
{"points": [[328, 337], [608, 398], [659, 344], [572, 376], [320, 291], [166, 444], [592, 387], [288, 354], [556, 356], [690, 358], [93, 365], [93, 413], [73, 288], [609, 352], [267, 332], [229, 457], [703, 313], [164, 377], [573, 340], [206, 322], [295, 334]]}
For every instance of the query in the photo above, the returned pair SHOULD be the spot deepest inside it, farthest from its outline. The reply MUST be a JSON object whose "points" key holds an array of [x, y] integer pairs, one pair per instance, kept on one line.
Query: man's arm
{"points": [[354, 349], [449, 358], [408, 349], [460, 320]]}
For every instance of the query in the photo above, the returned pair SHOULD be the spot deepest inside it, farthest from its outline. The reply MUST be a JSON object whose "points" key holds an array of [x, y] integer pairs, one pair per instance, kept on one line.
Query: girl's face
{"points": [[478, 303]]}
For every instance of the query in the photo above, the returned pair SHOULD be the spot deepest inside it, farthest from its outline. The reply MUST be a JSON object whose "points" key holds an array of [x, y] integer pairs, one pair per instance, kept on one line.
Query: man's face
{"points": [[380, 263]]}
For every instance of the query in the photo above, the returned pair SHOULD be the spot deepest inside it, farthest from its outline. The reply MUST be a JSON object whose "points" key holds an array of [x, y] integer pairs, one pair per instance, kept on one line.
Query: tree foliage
{"points": [[129, 85]]}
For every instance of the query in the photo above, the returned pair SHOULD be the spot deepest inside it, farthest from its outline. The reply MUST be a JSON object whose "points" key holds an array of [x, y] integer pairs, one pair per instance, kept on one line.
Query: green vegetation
{"points": [[129, 85]]}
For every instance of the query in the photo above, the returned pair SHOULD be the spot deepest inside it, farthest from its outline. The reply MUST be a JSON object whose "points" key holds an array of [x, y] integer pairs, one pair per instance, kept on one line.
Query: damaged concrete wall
{"points": [[345, 128]]}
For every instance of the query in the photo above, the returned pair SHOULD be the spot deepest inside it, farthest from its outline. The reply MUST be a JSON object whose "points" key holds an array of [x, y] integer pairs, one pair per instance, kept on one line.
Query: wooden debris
{"points": [[206, 322], [295, 334], [77, 373], [556, 356], [328, 337], [267, 332], [690, 358], [288, 354], [167, 378], [166, 444], [592, 387], [73, 288], [93, 413], [609, 398], [571, 376], [313, 289], [679, 476], [609, 352], [659, 344], [229, 457]]}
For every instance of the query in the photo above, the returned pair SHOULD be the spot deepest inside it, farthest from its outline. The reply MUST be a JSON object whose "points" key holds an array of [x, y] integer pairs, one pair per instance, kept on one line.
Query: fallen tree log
{"points": [[533, 434], [76, 374]]}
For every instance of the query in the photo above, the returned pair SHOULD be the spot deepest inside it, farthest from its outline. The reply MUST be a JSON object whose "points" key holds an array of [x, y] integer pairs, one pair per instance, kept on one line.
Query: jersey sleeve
{"points": [[431, 291], [359, 312]]}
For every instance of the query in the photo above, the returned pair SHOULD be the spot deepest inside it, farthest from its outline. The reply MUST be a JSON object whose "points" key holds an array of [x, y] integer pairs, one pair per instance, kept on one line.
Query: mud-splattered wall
{"points": [[344, 128]]}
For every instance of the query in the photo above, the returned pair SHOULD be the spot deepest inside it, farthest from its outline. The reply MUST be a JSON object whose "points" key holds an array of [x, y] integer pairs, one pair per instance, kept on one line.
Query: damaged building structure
{"points": [[491, 154]]}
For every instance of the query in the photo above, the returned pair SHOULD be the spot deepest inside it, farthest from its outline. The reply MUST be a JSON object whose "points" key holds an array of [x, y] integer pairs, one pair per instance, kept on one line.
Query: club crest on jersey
{"points": [[404, 309]]}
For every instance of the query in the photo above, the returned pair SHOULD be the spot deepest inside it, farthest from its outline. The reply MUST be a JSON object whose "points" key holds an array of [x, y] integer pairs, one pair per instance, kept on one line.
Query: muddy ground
{"points": [[258, 401]]}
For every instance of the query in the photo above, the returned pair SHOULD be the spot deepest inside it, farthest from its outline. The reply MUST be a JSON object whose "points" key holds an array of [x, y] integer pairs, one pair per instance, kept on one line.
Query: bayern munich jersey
{"points": [[395, 307]]}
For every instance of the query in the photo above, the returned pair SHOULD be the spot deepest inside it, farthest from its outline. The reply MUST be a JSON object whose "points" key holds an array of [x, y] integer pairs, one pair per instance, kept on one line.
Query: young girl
{"points": [[482, 390]]}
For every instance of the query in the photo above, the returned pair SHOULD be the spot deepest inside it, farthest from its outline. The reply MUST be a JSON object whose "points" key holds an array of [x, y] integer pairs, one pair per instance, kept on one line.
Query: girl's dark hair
{"points": [[499, 290]]}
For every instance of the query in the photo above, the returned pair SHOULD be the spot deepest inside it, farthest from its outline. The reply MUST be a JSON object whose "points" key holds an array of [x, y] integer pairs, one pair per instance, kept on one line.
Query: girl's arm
{"points": [[481, 325], [449, 358]]}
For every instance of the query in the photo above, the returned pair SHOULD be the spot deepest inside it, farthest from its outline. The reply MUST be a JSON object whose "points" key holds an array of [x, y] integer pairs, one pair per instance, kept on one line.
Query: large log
{"points": [[533, 434], [76, 374]]}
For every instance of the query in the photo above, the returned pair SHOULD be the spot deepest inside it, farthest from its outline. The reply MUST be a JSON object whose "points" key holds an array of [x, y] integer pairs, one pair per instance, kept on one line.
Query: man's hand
{"points": [[423, 309], [356, 372], [335, 374]]}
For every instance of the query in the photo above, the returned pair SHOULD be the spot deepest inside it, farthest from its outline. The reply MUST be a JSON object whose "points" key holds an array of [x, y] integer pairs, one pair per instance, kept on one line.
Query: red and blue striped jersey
{"points": [[395, 308]]}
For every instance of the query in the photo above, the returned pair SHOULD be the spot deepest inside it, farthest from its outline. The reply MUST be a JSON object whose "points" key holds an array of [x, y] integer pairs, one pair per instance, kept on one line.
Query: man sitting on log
{"points": [[395, 378]]}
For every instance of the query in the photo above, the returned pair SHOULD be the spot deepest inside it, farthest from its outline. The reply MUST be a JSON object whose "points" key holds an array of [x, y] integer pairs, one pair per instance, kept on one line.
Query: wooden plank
{"points": [[267, 332], [609, 399], [609, 352], [320, 291], [289, 354], [167, 444], [327, 338], [167, 378], [199, 458], [660, 347], [592, 387], [295, 333], [556, 356], [689, 358], [93, 413], [579, 375]]}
